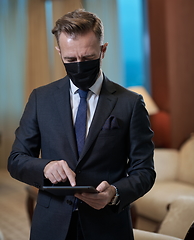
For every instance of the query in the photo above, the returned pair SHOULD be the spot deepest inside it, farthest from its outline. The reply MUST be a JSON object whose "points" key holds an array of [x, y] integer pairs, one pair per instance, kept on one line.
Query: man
{"points": [[116, 158]]}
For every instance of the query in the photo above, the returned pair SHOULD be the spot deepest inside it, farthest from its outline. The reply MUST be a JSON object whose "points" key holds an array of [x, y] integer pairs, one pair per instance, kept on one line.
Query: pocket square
{"points": [[111, 123]]}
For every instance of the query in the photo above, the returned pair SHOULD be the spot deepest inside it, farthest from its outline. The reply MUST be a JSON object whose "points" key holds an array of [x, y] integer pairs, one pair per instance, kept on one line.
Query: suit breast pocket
{"points": [[109, 133]]}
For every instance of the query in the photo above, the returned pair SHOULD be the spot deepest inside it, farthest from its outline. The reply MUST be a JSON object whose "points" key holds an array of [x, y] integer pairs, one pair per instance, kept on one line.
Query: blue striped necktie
{"points": [[81, 120]]}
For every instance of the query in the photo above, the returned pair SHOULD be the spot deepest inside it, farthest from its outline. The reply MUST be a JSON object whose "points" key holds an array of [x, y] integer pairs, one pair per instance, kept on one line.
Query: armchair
{"points": [[145, 235], [175, 177], [177, 224]]}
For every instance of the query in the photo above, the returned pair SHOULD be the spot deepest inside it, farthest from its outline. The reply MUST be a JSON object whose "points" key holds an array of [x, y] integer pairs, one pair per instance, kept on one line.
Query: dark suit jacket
{"points": [[118, 149]]}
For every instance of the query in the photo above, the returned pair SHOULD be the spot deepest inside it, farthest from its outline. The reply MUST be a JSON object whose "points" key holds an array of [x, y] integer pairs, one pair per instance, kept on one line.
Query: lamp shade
{"points": [[151, 107]]}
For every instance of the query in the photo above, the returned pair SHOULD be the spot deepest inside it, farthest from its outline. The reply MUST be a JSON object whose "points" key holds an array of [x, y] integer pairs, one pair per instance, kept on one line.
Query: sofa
{"points": [[175, 178]]}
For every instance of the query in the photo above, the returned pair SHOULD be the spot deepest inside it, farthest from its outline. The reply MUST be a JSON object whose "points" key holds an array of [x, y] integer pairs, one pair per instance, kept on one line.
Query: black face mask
{"points": [[83, 74]]}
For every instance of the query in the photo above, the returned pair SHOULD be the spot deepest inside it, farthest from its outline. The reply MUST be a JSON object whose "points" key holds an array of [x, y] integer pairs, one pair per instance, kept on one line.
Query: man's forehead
{"points": [[71, 36], [76, 36]]}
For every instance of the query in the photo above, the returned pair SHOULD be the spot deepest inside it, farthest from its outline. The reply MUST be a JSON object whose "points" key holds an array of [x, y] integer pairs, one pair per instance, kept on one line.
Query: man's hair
{"points": [[79, 22]]}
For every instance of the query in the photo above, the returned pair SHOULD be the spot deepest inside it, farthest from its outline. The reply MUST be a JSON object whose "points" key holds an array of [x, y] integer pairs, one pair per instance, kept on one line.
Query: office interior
{"points": [[150, 48]]}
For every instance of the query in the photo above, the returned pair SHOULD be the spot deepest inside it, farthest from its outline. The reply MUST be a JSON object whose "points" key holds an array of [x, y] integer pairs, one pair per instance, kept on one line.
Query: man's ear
{"points": [[58, 50], [104, 48]]}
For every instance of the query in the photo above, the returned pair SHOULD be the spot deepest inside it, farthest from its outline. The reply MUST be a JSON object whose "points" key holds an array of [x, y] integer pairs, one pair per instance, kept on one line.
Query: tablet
{"points": [[68, 190]]}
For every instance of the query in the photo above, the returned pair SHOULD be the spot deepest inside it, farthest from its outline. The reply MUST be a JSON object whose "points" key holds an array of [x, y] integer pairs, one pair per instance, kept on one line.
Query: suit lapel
{"points": [[104, 107], [62, 99]]}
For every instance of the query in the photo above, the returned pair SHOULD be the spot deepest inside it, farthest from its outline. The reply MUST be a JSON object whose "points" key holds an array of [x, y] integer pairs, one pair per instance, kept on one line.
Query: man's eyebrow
{"points": [[89, 55], [69, 57]]}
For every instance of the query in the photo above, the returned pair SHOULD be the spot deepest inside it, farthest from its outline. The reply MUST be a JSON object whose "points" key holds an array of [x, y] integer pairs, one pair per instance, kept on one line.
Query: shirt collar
{"points": [[95, 88]]}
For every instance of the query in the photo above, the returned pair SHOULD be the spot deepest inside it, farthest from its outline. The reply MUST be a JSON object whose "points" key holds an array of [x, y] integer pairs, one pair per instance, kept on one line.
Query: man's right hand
{"points": [[59, 171]]}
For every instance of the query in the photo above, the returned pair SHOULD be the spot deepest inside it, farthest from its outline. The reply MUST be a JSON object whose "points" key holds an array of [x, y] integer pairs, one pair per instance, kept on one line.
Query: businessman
{"points": [[84, 130]]}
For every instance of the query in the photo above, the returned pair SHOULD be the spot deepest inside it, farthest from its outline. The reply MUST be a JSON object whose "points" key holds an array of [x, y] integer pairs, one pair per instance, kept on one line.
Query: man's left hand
{"points": [[101, 199]]}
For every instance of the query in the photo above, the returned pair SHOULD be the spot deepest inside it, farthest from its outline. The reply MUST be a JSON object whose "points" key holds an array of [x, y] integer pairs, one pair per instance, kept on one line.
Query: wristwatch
{"points": [[115, 200]]}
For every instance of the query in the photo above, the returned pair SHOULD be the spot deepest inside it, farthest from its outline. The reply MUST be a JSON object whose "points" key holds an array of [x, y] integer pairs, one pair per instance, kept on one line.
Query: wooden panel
{"points": [[180, 48], [172, 58], [159, 58], [37, 56]]}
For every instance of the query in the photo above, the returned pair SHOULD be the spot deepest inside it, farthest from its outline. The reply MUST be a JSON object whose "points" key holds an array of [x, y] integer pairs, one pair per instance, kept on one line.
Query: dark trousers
{"points": [[75, 231]]}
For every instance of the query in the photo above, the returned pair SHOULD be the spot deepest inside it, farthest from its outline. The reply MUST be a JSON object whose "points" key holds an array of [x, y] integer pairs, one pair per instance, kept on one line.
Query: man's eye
{"points": [[71, 60], [88, 59]]}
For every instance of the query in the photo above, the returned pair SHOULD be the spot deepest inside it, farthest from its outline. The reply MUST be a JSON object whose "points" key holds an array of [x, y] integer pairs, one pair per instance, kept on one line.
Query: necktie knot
{"points": [[82, 93]]}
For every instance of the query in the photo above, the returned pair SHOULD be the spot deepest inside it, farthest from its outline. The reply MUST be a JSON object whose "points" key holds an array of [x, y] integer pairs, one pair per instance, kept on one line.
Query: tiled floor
{"points": [[14, 223]]}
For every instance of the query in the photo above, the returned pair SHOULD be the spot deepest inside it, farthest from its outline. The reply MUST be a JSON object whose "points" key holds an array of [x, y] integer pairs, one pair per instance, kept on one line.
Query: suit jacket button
{"points": [[69, 202]]}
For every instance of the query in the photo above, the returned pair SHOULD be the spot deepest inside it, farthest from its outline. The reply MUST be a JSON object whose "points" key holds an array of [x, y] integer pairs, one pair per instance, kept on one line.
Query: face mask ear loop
{"points": [[100, 57]]}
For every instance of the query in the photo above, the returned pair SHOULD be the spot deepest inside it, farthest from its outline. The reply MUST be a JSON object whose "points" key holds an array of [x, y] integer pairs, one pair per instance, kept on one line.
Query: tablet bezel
{"points": [[69, 190]]}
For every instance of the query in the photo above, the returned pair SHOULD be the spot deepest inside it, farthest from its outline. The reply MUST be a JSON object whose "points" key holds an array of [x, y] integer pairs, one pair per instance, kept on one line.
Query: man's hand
{"points": [[59, 171], [101, 199]]}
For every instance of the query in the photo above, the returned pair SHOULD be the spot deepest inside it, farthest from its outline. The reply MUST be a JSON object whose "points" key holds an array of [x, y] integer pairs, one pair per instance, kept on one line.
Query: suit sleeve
{"points": [[140, 172], [24, 163]]}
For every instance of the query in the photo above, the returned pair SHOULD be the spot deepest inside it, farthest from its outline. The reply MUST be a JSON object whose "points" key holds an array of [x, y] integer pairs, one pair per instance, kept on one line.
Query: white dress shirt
{"points": [[92, 100]]}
